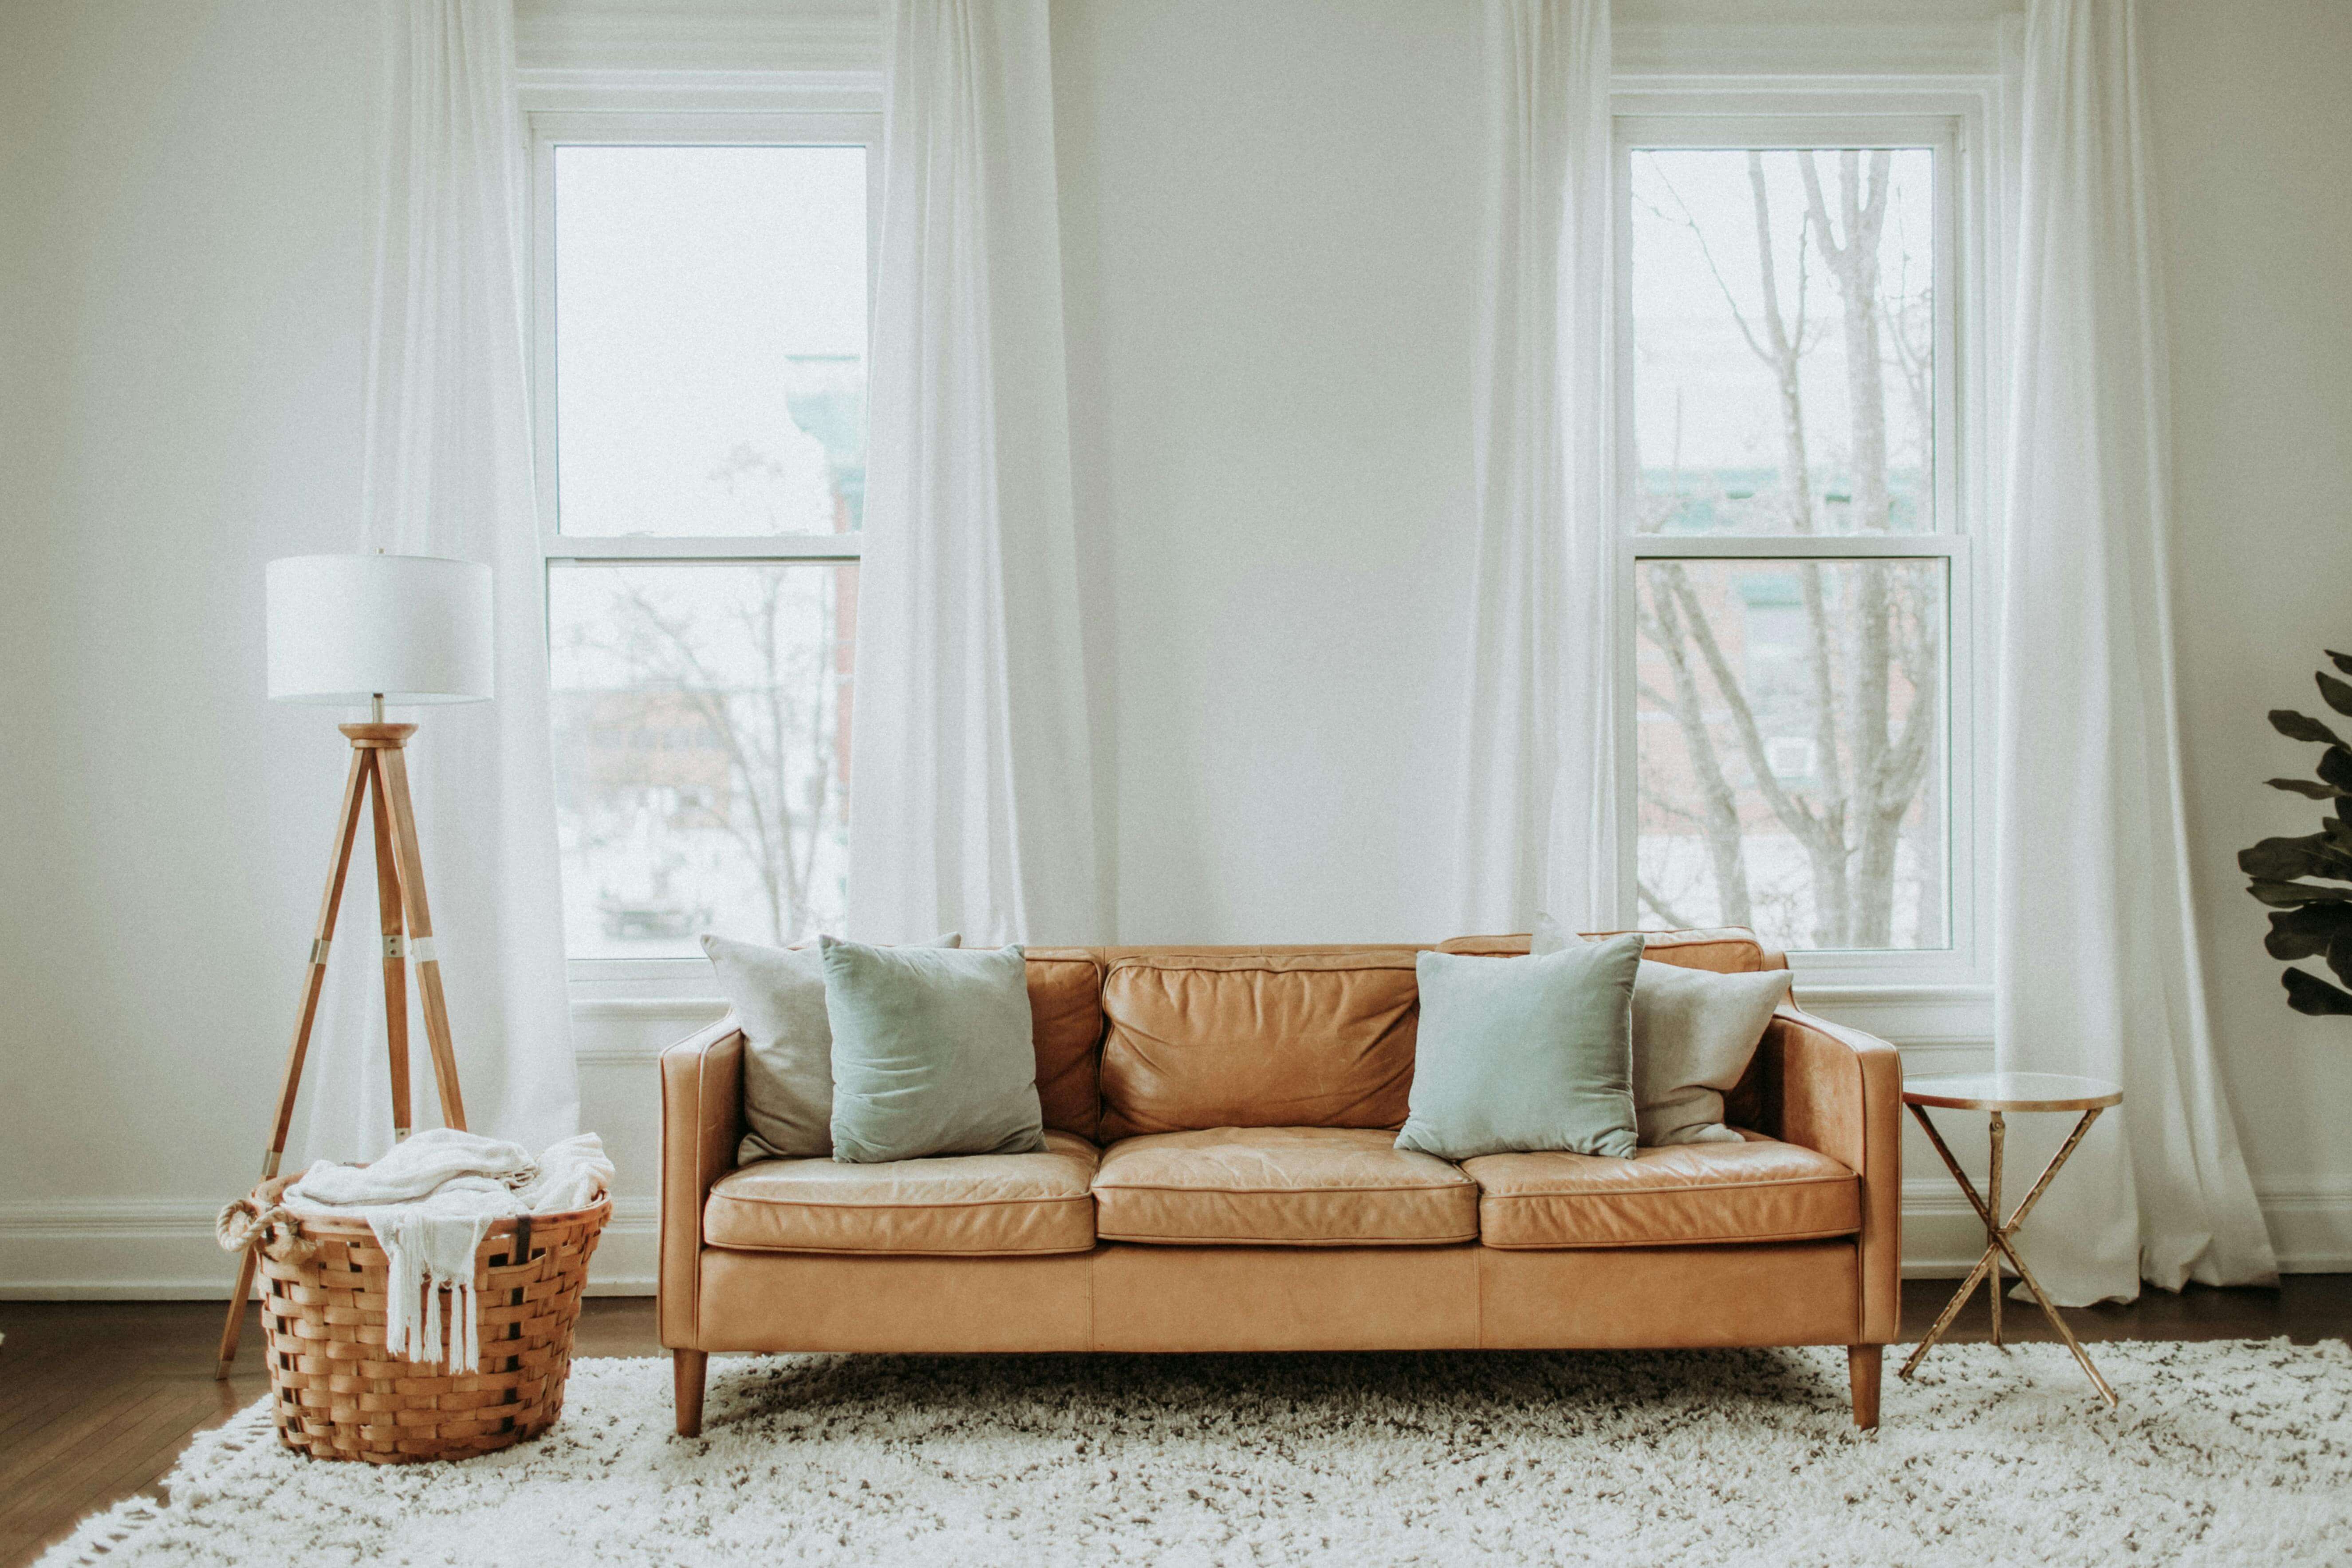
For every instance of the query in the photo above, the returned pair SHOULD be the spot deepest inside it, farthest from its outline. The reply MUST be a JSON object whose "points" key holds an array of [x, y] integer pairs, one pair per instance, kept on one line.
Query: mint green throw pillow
{"points": [[1694, 1032], [777, 994], [1517, 1054], [931, 1052]]}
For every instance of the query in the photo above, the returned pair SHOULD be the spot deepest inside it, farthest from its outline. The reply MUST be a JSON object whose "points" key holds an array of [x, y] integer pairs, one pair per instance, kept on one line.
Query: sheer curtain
{"points": [[2098, 967], [449, 472], [1539, 829], [972, 806]]}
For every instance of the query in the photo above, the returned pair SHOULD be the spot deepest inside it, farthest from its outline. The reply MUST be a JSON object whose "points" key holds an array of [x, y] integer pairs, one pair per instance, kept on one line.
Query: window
{"points": [[701, 349], [1792, 484]]}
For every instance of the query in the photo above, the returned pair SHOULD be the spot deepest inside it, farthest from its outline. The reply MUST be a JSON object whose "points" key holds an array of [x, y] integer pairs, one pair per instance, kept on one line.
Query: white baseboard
{"points": [[100, 1249], [2310, 1226], [96, 1249]]}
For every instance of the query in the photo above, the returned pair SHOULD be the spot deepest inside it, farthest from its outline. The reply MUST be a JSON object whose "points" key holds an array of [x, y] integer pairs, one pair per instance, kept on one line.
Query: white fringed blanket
{"points": [[430, 1201]]}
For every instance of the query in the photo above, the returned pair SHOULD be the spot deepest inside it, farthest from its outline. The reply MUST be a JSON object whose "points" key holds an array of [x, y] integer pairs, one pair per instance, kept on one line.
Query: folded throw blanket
{"points": [[430, 1201], [415, 1168], [572, 1175]]}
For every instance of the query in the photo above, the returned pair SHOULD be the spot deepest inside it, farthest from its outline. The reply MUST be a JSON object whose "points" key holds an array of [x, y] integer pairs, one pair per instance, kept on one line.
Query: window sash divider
{"points": [[1794, 546], [584, 550]]}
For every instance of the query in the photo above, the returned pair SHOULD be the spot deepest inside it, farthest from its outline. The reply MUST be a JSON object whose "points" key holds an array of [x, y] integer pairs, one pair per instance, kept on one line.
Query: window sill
{"points": [[1820, 996]]}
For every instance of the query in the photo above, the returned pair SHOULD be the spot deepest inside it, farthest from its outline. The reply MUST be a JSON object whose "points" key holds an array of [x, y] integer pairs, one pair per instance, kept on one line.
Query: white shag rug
{"points": [[2222, 1453]]}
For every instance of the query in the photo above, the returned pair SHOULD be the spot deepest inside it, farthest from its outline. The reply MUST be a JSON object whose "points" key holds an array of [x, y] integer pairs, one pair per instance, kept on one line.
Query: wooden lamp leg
{"points": [[396, 959], [347, 824], [392, 766]]}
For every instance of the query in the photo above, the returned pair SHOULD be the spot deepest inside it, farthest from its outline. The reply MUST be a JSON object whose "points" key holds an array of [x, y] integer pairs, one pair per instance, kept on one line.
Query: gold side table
{"points": [[1997, 1094]]}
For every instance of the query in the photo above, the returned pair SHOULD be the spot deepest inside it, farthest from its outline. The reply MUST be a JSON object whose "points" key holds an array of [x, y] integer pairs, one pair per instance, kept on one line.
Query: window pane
{"points": [[1790, 750], [1784, 332], [709, 338], [701, 752]]}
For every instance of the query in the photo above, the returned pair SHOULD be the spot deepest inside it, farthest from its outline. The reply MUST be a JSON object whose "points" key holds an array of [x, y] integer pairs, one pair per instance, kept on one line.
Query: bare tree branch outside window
{"points": [[1791, 710], [704, 390], [703, 780]]}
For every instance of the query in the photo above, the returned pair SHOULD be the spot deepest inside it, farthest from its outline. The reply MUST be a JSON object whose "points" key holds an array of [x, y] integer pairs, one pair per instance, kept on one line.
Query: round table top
{"points": [[2012, 1091]]}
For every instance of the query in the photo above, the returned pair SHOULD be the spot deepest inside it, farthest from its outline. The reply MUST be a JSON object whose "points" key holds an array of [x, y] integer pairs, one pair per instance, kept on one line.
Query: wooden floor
{"points": [[98, 1399]]}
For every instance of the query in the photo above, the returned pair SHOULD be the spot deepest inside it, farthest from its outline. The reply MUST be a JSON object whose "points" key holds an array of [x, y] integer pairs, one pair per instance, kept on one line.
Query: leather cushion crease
{"points": [[1318, 1186]]}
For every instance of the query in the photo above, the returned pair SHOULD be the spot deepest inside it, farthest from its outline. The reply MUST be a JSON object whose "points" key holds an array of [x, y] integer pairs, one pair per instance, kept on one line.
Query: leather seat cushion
{"points": [[1281, 1186], [1688, 1195], [967, 1205]]}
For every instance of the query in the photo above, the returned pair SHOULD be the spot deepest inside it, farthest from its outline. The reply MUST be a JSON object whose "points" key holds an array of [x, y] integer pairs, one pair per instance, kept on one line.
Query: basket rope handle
{"points": [[244, 1224]]}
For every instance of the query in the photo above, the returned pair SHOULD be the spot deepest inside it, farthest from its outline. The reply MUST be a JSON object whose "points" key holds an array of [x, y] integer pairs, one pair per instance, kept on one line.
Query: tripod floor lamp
{"points": [[349, 630]]}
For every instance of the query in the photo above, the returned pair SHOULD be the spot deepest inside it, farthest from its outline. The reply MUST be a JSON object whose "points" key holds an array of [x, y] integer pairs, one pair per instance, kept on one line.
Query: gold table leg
{"points": [[1997, 1136], [1997, 1237]]}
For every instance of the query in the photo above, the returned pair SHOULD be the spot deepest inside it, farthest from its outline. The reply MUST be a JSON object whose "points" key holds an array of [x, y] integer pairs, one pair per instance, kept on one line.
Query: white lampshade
{"points": [[412, 629]]}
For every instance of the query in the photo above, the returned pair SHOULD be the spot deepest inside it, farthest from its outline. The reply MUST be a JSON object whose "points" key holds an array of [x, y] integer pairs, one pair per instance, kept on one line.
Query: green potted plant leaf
{"points": [[2308, 880]]}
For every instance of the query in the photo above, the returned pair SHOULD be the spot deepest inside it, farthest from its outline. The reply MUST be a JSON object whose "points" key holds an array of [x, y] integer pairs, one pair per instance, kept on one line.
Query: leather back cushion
{"points": [[1303, 1038], [1065, 1024], [1728, 951], [1280, 1037]]}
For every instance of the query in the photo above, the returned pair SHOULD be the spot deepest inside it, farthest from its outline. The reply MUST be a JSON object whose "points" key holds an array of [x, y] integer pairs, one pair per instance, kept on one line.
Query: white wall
{"points": [[1270, 211], [182, 302], [2250, 121]]}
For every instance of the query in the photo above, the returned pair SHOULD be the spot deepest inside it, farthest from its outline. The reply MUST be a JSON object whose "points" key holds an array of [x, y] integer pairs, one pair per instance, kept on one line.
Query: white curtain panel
{"points": [[2098, 966], [449, 472], [1539, 828], [971, 807]]}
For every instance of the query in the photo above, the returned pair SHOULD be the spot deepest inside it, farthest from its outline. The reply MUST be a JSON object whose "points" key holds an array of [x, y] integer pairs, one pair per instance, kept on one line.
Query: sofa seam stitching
{"points": [[1673, 1192], [911, 1252], [943, 1203], [1293, 1240], [1279, 1192], [1676, 1241]]}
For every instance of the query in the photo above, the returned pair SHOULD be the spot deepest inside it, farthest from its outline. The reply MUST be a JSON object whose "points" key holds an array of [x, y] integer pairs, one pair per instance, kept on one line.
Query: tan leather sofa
{"points": [[1220, 1175]]}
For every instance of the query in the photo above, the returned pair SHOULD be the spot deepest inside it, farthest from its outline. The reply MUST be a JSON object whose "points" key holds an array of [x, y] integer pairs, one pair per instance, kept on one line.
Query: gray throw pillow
{"points": [[1529, 1053], [1694, 1032], [778, 996], [932, 1053]]}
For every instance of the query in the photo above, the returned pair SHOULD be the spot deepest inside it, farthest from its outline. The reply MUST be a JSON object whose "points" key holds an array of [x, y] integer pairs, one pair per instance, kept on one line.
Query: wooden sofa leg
{"points": [[1861, 1365], [687, 1370]]}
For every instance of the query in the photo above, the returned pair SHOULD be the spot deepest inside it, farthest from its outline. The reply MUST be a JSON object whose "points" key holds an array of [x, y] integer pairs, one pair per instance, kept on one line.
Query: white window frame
{"points": [[1959, 120], [645, 121]]}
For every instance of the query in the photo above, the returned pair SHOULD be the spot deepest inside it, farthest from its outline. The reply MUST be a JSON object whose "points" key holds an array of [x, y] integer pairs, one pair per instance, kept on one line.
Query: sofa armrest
{"points": [[702, 1125], [1840, 1092]]}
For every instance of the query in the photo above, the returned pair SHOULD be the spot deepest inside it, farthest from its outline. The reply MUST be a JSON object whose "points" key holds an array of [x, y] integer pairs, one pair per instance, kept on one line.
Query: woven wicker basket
{"points": [[338, 1394]]}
